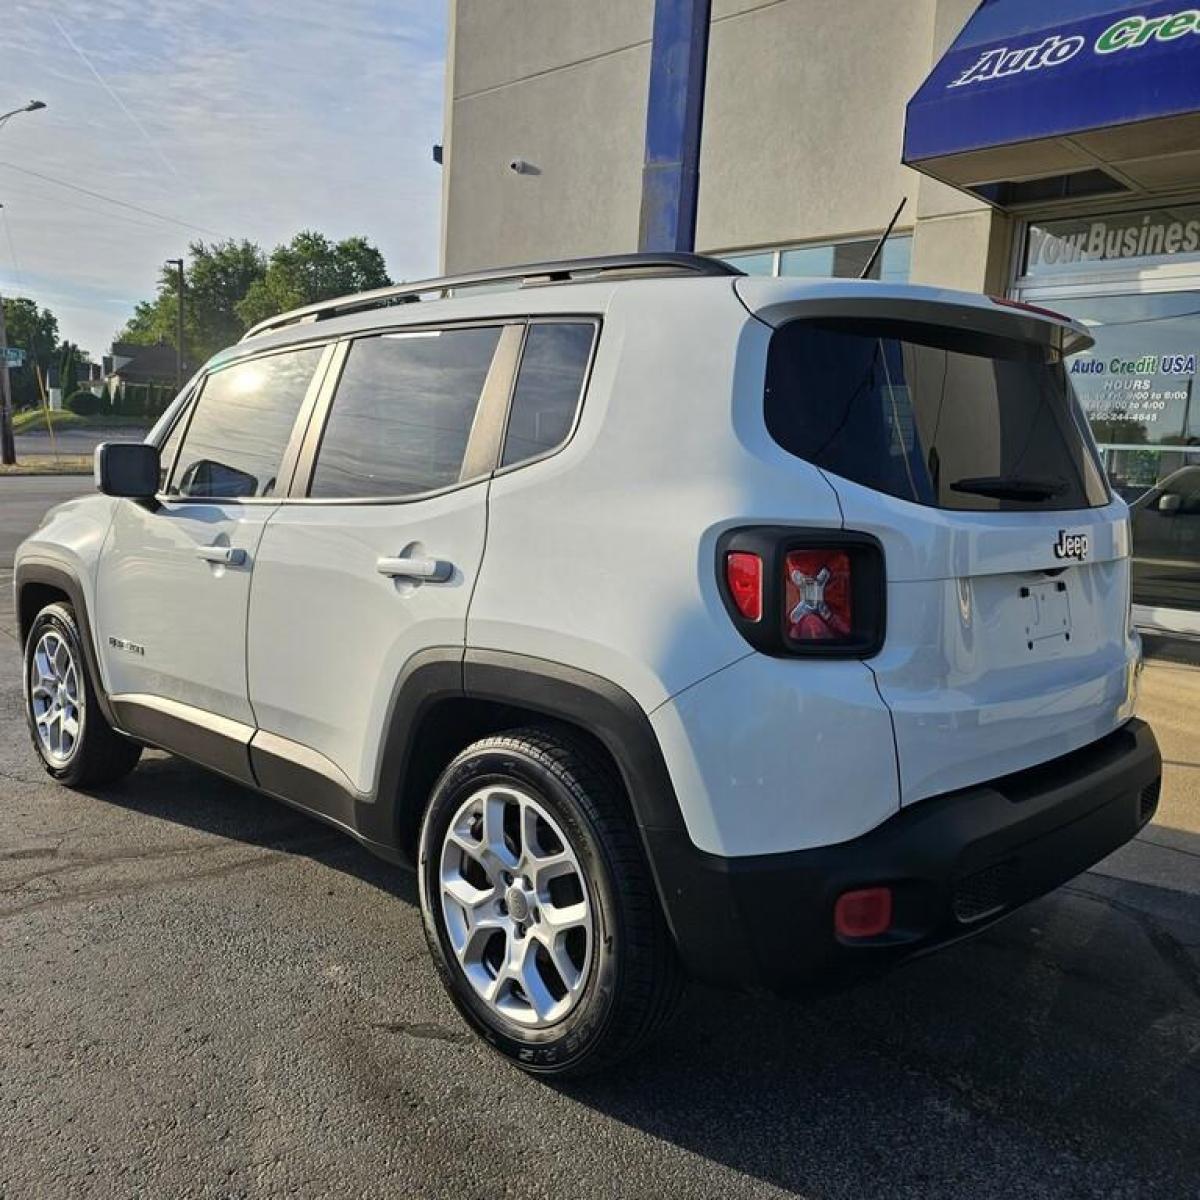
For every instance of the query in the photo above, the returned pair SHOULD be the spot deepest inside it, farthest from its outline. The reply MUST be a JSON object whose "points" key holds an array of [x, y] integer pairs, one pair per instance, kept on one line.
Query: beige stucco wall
{"points": [[562, 85], [804, 119], [803, 126]]}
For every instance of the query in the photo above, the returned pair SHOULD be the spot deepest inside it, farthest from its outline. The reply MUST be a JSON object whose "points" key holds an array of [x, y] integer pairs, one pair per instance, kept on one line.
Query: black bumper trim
{"points": [[955, 863]]}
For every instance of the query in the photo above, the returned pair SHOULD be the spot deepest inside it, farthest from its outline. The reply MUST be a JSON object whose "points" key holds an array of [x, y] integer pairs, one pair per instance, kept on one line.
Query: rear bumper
{"points": [[955, 863]]}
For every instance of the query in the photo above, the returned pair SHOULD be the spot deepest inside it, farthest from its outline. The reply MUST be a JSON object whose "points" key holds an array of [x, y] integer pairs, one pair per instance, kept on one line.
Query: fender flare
{"points": [[596, 705], [53, 574]]}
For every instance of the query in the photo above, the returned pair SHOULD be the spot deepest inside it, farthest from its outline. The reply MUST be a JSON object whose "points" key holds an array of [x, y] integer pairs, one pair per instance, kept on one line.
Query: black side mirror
{"points": [[127, 469]]}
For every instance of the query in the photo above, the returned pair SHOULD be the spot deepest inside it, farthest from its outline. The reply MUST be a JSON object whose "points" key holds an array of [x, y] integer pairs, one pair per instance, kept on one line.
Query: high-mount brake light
{"points": [[1007, 302], [795, 592], [744, 575]]}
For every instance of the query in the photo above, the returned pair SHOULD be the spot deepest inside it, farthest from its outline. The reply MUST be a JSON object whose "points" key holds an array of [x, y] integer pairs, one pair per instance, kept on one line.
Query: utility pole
{"points": [[177, 263], [8, 447]]}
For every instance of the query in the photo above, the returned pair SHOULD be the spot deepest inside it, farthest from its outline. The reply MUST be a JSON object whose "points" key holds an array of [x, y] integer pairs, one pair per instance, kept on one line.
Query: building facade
{"points": [[1053, 151]]}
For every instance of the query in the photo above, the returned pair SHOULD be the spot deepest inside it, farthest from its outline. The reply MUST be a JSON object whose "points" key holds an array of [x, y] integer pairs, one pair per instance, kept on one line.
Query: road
{"points": [[74, 441], [205, 994]]}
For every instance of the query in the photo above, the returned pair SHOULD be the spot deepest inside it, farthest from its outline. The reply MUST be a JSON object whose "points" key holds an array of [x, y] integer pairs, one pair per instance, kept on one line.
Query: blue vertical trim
{"points": [[674, 114]]}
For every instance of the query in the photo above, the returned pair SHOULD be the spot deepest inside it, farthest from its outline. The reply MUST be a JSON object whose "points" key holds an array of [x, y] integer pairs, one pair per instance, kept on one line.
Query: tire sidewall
{"points": [[569, 1040], [60, 619]]}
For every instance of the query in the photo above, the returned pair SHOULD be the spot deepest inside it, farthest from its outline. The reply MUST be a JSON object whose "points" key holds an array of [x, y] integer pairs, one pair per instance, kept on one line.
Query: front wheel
{"points": [[73, 740], [538, 904]]}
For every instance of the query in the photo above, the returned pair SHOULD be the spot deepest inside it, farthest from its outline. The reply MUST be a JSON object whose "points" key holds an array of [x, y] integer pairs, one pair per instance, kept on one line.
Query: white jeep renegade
{"points": [[671, 622]]}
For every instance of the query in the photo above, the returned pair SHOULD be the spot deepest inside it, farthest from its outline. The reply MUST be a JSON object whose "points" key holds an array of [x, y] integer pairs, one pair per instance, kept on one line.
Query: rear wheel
{"points": [[539, 908], [73, 740]]}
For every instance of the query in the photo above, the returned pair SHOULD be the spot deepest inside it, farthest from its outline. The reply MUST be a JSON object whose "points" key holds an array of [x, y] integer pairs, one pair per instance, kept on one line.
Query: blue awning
{"points": [[1056, 99]]}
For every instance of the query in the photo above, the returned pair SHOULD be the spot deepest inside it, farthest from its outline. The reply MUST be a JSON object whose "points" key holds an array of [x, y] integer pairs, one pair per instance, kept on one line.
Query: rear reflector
{"points": [[744, 575], [863, 913], [817, 595]]}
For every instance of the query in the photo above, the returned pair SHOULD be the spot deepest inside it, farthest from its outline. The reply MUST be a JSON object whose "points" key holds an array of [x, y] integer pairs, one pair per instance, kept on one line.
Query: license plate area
{"points": [[1047, 611]]}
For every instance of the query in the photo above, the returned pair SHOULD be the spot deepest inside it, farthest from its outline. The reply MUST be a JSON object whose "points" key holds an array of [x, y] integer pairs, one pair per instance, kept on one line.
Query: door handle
{"points": [[431, 570], [229, 556]]}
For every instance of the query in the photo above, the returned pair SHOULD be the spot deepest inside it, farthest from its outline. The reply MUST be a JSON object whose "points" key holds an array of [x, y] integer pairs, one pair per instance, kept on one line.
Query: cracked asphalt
{"points": [[206, 994]]}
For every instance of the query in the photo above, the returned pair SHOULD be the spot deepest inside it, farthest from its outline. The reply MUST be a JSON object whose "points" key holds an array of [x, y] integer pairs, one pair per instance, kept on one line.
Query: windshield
{"points": [[940, 416]]}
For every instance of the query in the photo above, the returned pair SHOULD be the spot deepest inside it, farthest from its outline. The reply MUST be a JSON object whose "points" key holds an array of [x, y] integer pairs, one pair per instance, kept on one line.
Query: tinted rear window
{"points": [[940, 416]]}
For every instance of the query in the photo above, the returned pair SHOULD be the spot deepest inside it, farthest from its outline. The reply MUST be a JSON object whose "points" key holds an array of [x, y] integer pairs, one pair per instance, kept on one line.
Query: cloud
{"points": [[275, 117]]}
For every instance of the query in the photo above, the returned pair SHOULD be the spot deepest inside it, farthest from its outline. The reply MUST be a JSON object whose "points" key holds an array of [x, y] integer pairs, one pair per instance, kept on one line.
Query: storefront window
{"points": [[753, 264], [1091, 244], [1134, 280], [1137, 383], [831, 260]]}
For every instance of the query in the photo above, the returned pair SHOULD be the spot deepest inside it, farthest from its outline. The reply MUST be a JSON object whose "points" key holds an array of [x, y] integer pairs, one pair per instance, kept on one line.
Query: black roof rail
{"points": [[528, 275]]}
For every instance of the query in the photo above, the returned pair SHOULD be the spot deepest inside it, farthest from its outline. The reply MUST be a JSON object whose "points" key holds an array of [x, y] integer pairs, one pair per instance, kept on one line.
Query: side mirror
{"points": [[1169, 503], [127, 469]]}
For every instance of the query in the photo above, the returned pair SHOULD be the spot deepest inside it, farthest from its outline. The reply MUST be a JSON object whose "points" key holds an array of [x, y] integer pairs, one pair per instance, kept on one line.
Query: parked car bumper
{"points": [[955, 864]]}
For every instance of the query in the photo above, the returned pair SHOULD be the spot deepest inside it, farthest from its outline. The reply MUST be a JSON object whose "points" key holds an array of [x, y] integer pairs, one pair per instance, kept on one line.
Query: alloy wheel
{"points": [[516, 906], [55, 697]]}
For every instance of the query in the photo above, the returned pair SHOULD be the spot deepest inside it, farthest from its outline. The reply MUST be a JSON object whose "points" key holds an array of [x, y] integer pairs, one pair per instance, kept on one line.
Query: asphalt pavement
{"points": [[74, 441], [205, 994]]}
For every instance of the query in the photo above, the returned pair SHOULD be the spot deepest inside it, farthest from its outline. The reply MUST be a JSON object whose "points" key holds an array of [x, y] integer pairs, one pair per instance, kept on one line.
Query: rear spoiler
{"points": [[777, 301]]}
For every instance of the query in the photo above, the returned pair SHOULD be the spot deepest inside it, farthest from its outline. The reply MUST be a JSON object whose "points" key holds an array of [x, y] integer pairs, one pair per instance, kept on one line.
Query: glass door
{"points": [[1138, 386]]}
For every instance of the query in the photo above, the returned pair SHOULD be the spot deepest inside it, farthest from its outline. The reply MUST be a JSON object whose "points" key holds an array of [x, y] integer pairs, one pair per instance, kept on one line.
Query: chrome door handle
{"points": [[431, 570], [229, 556]]}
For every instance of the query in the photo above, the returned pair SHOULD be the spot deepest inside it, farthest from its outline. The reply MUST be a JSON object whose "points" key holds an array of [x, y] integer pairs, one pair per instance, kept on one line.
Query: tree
{"points": [[216, 278], [311, 268], [35, 331]]}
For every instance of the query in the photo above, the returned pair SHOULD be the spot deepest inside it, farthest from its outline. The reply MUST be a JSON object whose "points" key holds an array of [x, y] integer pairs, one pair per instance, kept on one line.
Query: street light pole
{"points": [[8, 446], [177, 263]]}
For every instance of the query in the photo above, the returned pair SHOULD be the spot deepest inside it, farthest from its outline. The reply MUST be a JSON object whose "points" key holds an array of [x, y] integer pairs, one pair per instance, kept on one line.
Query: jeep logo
{"points": [[1071, 545]]}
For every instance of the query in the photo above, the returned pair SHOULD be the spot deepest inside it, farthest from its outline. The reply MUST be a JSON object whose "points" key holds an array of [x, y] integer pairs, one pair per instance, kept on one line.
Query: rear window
{"points": [[940, 416]]}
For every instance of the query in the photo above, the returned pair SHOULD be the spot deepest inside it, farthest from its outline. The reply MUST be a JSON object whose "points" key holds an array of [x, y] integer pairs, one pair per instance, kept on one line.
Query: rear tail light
{"points": [[804, 592], [817, 595], [743, 575]]}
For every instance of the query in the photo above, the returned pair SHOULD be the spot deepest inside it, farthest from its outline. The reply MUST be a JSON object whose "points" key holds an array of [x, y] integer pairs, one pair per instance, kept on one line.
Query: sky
{"points": [[225, 118]]}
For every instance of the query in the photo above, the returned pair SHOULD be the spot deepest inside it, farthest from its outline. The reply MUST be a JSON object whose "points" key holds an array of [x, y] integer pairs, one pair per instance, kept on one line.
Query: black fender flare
{"points": [[56, 575], [578, 698]]}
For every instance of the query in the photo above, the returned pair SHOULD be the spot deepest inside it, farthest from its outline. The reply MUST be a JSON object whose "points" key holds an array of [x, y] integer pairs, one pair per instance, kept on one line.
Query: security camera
{"points": [[519, 166]]}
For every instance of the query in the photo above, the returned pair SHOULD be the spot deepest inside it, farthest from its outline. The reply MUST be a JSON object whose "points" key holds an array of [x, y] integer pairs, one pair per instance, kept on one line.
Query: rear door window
{"points": [[549, 385], [940, 416], [402, 413], [241, 425]]}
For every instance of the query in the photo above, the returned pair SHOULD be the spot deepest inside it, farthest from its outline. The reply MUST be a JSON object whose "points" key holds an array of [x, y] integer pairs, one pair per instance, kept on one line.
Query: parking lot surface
{"points": [[204, 993]]}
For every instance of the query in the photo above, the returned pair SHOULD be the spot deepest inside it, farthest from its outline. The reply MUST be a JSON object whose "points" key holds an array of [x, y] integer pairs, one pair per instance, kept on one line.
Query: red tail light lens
{"points": [[866, 912], [744, 575], [817, 595]]}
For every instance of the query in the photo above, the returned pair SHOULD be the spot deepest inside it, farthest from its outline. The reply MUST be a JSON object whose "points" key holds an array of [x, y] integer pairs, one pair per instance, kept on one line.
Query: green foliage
{"points": [[216, 277], [33, 420], [36, 332], [228, 286], [311, 268], [84, 404]]}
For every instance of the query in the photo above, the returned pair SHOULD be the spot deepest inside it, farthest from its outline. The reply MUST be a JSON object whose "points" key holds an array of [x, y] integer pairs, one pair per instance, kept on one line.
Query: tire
{"points": [[81, 749], [617, 988]]}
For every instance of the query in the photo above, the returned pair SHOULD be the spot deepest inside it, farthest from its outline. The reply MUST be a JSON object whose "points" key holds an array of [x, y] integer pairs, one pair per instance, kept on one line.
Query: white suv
{"points": [[671, 622]]}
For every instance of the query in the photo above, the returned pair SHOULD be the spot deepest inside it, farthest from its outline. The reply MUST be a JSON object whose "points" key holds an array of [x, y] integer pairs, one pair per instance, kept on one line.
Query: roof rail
{"points": [[523, 276]]}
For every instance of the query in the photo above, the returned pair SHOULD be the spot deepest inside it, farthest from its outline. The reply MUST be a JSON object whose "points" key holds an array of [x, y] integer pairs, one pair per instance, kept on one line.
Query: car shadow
{"points": [[172, 789], [1061, 1045]]}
